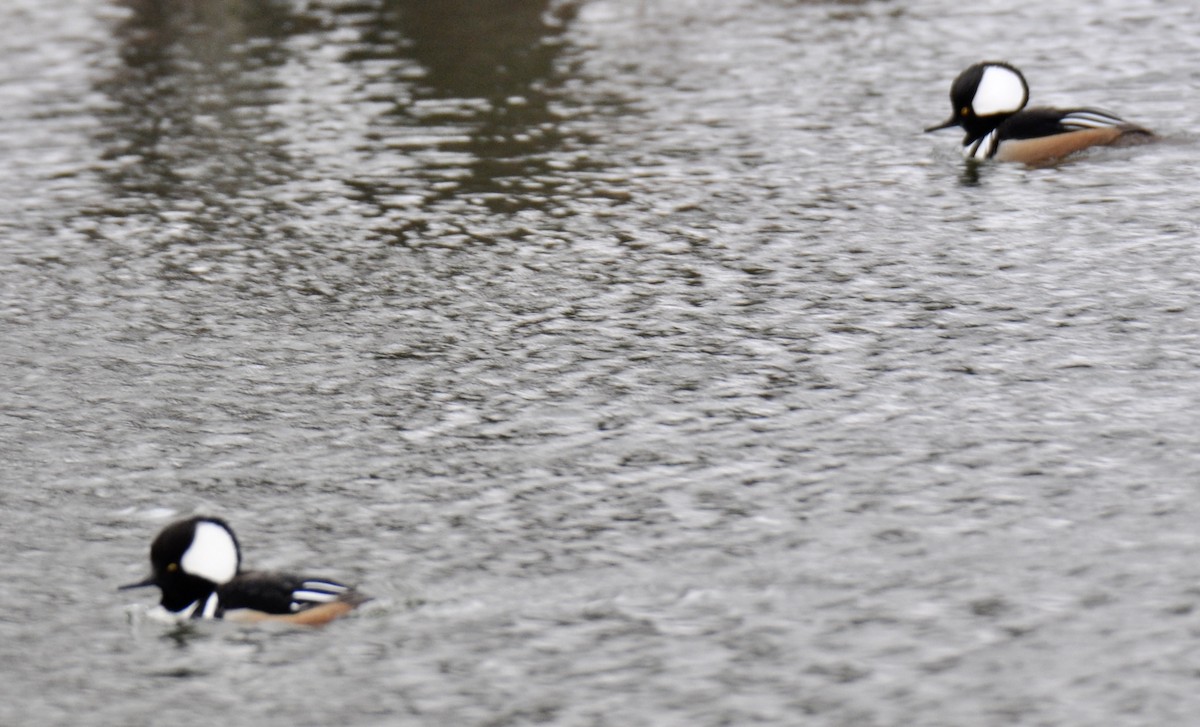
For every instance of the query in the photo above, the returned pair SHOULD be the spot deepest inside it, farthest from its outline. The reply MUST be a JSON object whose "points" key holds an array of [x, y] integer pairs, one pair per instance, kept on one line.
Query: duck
{"points": [[989, 103], [196, 563]]}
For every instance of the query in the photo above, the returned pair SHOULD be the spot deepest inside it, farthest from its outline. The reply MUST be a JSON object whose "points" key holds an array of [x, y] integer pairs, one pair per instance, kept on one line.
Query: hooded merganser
{"points": [[197, 565], [989, 104]]}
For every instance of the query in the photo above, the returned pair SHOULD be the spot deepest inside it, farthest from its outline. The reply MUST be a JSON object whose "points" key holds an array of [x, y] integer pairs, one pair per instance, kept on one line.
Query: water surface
{"points": [[643, 359]]}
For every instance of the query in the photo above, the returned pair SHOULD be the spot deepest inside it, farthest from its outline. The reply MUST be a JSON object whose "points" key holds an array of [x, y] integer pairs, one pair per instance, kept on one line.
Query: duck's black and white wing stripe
{"points": [[314, 591], [279, 593], [1078, 119]]}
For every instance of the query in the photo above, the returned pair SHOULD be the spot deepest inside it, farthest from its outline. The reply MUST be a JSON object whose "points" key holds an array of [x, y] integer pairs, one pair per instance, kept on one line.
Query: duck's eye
{"points": [[172, 567], [965, 111]]}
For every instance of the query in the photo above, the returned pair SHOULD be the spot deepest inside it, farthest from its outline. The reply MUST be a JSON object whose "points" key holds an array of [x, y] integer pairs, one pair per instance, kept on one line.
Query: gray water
{"points": [[642, 359]]}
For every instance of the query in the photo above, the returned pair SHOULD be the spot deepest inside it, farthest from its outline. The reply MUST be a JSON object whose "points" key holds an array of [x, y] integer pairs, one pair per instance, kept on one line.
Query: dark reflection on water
{"points": [[489, 49], [188, 131], [490, 92], [504, 53], [203, 121]]}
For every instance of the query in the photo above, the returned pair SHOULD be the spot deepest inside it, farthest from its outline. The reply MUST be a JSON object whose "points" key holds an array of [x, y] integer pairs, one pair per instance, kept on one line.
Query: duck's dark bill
{"points": [[150, 581], [952, 121]]}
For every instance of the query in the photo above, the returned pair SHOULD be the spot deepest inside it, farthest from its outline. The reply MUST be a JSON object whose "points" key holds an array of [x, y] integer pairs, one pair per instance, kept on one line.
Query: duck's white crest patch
{"points": [[212, 554], [1000, 91]]}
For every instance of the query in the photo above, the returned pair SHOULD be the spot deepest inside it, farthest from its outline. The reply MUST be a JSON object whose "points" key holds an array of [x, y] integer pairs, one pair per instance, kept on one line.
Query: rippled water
{"points": [[642, 359]]}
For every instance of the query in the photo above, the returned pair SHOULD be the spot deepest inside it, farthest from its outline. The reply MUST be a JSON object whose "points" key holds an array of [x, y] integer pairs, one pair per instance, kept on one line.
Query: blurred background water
{"points": [[643, 359]]}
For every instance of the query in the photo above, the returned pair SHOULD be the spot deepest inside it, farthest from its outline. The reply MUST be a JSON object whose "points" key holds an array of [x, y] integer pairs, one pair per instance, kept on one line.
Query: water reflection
{"points": [[490, 90], [493, 49], [186, 134], [233, 118]]}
